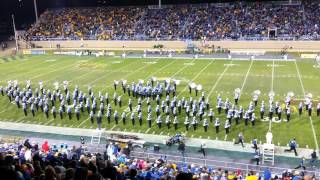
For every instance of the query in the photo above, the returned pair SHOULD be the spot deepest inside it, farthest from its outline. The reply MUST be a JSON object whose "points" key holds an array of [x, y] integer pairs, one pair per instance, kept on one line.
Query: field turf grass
{"points": [[216, 77]]}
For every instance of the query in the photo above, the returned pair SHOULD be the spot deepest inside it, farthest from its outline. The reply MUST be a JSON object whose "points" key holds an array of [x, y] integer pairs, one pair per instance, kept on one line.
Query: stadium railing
{"points": [[173, 38], [215, 163]]}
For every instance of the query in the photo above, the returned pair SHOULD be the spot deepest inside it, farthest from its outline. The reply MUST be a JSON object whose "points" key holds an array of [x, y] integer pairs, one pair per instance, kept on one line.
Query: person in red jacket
{"points": [[45, 147]]}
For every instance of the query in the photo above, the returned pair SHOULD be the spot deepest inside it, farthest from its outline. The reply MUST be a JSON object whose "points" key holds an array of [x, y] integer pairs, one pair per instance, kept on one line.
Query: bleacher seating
{"points": [[50, 161], [238, 20]]}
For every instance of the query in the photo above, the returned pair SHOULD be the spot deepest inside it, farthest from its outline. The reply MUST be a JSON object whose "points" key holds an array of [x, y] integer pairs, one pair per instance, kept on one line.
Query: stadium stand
{"points": [[237, 21], [33, 160]]}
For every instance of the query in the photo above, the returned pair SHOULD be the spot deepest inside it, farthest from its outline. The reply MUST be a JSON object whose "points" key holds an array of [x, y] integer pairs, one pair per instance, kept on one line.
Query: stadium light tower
{"points": [[15, 32], [35, 9], [34, 5]]}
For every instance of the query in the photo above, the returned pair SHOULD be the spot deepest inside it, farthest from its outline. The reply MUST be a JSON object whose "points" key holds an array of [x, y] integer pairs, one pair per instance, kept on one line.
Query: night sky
{"points": [[24, 12]]}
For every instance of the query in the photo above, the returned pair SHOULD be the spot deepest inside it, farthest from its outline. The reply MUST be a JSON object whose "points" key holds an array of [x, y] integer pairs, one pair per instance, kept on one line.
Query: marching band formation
{"points": [[151, 102]]}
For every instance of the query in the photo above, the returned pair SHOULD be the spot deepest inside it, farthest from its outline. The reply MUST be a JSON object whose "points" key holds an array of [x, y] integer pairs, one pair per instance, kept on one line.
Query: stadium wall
{"points": [[181, 45]]}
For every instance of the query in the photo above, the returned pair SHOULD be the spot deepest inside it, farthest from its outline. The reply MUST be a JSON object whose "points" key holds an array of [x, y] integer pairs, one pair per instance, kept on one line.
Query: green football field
{"points": [[216, 76]]}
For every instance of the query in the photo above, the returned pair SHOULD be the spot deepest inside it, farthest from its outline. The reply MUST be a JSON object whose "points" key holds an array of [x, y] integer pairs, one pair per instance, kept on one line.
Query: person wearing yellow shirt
{"points": [[251, 176]]}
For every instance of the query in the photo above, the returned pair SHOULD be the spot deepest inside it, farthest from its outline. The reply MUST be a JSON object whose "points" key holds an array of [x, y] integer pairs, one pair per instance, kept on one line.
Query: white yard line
{"points": [[272, 79], [52, 71], [195, 77], [181, 69], [3, 111], [160, 69], [245, 79], [49, 122], [218, 80], [132, 72], [271, 89], [63, 67], [299, 76], [101, 77], [83, 122], [75, 68], [113, 127], [33, 67], [311, 121], [270, 124], [147, 130], [19, 120]]}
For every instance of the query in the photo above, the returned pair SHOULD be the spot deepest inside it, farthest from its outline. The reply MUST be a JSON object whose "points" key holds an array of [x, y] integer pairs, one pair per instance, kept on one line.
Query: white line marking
{"points": [[54, 70], [132, 72], [195, 77], [147, 130], [18, 120], [245, 79], [181, 69], [270, 123], [123, 67], [113, 127], [311, 122], [34, 66], [83, 122], [160, 69], [49, 122], [218, 80], [272, 75]]}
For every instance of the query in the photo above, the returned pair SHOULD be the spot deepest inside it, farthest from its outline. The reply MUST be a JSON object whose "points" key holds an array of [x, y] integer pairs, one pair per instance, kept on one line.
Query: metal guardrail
{"points": [[165, 37], [216, 163]]}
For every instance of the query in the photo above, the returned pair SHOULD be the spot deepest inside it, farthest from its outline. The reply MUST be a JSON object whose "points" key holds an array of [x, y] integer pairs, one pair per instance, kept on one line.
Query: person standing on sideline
{"points": [[255, 143], [240, 139], [256, 157], [181, 148], [293, 146], [202, 149], [301, 164], [313, 158]]}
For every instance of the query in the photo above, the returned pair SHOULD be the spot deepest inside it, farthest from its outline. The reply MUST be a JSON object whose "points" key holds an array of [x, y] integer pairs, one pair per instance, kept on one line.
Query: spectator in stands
{"points": [[237, 20], [267, 174], [45, 147], [27, 144], [50, 173], [251, 176]]}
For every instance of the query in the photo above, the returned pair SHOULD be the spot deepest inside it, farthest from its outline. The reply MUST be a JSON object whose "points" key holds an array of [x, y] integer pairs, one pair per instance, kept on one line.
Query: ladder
{"points": [[96, 136], [268, 153]]}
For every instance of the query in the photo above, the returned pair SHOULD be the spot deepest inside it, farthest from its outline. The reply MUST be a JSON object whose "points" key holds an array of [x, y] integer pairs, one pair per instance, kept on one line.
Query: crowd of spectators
{"points": [[29, 160], [91, 23], [238, 20]]}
